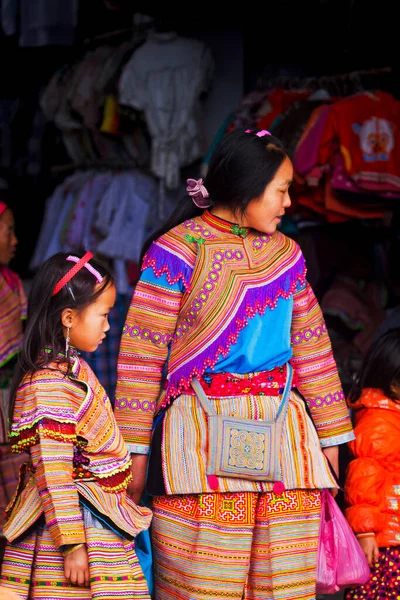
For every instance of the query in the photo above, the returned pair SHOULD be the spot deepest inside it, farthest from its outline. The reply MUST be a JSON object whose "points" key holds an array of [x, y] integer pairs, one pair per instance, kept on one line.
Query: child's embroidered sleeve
{"points": [[47, 428], [57, 489], [147, 334], [316, 370]]}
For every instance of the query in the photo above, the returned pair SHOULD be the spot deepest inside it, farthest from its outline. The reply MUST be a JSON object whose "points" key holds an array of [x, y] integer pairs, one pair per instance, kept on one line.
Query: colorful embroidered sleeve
{"points": [[23, 299], [57, 489], [316, 370], [46, 426], [146, 336]]}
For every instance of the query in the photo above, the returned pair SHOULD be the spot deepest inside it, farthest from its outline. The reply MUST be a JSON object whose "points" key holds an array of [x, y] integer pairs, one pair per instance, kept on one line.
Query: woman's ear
{"points": [[67, 317]]}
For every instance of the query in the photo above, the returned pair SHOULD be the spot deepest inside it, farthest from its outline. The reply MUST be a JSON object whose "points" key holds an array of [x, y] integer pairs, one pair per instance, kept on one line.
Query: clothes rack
{"points": [[115, 166], [319, 81]]}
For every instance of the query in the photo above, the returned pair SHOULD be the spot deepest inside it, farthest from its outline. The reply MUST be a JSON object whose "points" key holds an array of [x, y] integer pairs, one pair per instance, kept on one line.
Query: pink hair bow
{"points": [[259, 133], [198, 192]]}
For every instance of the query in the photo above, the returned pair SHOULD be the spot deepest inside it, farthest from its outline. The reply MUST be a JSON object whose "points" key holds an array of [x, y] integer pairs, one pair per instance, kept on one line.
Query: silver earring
{"points": [[67, 341]]}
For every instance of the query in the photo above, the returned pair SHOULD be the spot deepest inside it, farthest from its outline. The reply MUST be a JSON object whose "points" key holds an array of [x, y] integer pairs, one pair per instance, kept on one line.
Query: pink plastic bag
{"points": [[341, 563]]}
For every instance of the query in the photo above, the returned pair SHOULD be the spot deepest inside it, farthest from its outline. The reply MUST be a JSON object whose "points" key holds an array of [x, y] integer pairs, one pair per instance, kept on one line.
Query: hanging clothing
{"points": [[165, 78], [40, 23], [365, 127]]}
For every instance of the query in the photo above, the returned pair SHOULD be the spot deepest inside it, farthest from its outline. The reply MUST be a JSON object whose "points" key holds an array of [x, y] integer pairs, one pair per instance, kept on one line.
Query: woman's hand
{"points": [[76, 567], [332, 454], [370, 549], [138, 469]]}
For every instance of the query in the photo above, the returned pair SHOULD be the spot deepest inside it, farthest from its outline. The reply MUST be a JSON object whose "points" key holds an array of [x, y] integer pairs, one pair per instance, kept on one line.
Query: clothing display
{"points": [[75, 486], [165, 78], [109, 212], [42, 23], [343, 146]]}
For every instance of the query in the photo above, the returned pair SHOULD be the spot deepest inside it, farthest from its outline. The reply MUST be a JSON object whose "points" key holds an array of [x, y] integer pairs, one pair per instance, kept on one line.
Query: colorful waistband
{"points": [[264, 383]]}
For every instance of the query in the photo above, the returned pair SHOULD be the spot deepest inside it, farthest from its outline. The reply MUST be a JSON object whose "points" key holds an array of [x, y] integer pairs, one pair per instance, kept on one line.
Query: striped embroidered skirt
{"points": [[241, 541], [236, 546], [184, 434], [34, 568]]}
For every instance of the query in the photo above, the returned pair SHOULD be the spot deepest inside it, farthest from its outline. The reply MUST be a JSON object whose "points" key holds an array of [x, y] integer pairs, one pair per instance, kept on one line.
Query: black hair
{"points": [[44, 329], [241, 166], [380, 368]]}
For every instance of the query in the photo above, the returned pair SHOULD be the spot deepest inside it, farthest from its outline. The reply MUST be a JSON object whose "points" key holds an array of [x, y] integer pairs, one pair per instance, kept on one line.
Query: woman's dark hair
{"points": [[240, 168], [44, 329], [380, 368]]}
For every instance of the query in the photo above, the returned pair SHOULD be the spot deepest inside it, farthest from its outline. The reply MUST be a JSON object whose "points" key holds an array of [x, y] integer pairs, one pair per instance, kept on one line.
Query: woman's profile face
{"points": [[266, 212], [8, 239]]}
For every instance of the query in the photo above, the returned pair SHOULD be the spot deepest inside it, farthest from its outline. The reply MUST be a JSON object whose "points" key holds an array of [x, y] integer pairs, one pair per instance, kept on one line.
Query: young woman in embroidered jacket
{"points": [[71, 526], [223, 297]]}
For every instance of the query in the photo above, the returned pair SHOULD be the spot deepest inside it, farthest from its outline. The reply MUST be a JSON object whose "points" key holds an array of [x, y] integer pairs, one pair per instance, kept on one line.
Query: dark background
{"points": [[302, 38]]}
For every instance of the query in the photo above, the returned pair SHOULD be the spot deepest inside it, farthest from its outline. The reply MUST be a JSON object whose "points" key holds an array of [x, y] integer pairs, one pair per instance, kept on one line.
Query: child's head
{"points": [[71, 296], [242, 165], [8, 240], [380, 368]]}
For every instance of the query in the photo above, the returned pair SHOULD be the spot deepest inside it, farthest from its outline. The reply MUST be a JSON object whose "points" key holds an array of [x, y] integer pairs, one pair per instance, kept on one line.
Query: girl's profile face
{"points": [[8, 239], [89, 326]]}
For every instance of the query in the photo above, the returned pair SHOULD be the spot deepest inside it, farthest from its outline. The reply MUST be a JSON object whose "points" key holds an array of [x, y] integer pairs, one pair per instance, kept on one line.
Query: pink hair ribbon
{"points": [[259, 133], [80, 263]]}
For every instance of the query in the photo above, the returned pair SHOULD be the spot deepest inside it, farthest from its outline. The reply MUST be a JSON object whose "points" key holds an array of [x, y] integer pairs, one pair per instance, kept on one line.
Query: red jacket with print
{"points": [[372, 486]]}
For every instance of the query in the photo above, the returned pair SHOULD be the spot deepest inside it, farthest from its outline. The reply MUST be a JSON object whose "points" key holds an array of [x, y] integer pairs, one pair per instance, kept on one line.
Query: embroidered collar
{"points": [[70, 367], [223, 225], [60, 355]]}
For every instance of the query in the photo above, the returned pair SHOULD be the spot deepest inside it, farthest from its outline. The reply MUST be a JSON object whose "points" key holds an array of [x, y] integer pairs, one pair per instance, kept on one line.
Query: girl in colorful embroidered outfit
{"points": [[372, 484], [71, 527], [12, 318], [12, 297], [223, 296]]}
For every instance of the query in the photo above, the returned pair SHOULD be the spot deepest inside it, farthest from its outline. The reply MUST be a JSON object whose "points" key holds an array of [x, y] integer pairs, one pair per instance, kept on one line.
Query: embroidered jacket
{"points": [[78, 456], [204, 285], [12, 312]]}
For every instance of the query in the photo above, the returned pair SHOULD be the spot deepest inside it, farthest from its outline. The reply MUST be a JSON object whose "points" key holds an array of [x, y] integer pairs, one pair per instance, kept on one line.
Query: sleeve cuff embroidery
{"points": [[336, 440], [138, 449]]}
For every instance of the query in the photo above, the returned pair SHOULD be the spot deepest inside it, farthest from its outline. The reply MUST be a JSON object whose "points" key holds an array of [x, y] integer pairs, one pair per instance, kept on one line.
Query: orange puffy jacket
{"points": [[372, 484]]}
